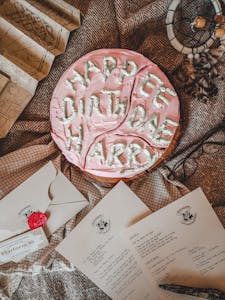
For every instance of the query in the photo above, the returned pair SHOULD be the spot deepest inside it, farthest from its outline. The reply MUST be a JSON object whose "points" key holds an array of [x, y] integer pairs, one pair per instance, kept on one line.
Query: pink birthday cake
{"points": [[114, 114]]}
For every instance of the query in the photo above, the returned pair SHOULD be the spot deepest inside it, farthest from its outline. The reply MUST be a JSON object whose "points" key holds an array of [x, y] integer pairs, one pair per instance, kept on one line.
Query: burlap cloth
{"points": [[138, 25]]}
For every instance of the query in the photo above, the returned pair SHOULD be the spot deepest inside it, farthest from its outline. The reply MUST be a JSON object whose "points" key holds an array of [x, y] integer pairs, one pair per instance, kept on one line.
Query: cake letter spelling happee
{"points": [[114, 114]]}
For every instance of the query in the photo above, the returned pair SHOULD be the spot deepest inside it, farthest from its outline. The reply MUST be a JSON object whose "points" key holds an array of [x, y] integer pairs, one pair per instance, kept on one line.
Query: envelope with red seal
{"points": [[46, 197]]}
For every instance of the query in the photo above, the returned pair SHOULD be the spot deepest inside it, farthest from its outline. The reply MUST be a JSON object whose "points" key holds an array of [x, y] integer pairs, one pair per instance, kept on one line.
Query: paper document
{"points": [[127, 251], [182, 243], [96, 249]]}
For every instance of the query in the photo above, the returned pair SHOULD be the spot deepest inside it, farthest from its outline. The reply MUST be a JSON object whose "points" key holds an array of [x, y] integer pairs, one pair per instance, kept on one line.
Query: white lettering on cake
{"points": [[150, 160], [129, 68], [170, 122], [116, 106], [76, 78], [82, 107], [159, 100], [67, 101], [162, 135], [111, 94], [130, 153], [115, 151], [133, 150], [77, 139], [137, 117], [94, 105], [120, 107], [90, 67], [109, 63], [164, 130], [146, 83], [159, 96], [99, 152], [70, 82], [152, 123]]}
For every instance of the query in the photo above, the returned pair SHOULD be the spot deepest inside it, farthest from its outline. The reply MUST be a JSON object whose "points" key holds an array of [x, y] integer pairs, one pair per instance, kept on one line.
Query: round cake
{"points": [[114, 114]]}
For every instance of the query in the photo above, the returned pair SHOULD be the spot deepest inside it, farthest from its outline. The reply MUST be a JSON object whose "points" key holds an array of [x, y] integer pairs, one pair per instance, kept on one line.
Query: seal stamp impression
{"points": [[101, 224], [187, 217], [37, 219]]}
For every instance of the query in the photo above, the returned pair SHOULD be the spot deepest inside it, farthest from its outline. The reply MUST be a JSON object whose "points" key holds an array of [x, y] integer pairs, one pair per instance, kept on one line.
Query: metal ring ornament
{"points": [[173, 39]]}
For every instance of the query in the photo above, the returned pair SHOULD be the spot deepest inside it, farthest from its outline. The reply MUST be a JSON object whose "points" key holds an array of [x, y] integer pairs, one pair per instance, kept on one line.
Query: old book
{"points": [[32, 33]]}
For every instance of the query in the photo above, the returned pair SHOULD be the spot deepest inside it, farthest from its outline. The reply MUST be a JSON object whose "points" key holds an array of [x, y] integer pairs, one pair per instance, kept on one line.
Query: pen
{"points": [[205, 293]]}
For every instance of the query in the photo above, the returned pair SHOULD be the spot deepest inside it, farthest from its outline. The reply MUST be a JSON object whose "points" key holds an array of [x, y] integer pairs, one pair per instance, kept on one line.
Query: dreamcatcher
{"points": [[193, 26]]}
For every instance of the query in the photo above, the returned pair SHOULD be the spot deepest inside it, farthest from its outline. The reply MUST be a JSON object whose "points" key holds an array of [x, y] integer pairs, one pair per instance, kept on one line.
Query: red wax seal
{"points": [[37, 219]]}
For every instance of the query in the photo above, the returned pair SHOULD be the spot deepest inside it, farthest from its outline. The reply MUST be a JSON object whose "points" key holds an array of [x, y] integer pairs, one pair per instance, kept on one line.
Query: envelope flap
{"points": [[31, 195], [66, 202], [63, 191]]}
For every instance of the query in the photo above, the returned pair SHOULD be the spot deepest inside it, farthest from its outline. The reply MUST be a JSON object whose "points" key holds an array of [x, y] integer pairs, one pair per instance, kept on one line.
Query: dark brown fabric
{"points": [[134, 24]]}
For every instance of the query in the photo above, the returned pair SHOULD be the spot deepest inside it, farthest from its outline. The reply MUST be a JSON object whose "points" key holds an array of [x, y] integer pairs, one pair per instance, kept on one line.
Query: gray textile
{"points": [[137, 25]]}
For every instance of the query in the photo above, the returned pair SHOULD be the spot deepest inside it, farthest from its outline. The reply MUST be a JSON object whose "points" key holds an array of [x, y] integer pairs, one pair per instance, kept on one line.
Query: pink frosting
{"points": [[114, 113]]}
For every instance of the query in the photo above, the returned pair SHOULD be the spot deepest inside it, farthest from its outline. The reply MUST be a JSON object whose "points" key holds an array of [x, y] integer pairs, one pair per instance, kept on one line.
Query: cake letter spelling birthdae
{"points": [[114, 114]]}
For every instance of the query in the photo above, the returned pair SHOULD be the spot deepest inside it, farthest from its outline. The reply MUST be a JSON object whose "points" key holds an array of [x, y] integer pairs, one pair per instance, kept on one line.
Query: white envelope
{"points": [[47, 191]]}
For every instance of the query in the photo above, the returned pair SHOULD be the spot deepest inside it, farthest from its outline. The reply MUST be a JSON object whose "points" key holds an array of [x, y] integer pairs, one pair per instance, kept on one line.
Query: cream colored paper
{"points": [[3, 81], [21, 245], [48, 190], [182, 243], [32, 33], [94, 247]]}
